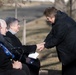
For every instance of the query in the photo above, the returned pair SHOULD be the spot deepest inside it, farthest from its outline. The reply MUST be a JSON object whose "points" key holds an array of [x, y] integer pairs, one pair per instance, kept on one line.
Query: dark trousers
{"points": [[34, 67], [26, 69], [13, 72], [69, 69]]}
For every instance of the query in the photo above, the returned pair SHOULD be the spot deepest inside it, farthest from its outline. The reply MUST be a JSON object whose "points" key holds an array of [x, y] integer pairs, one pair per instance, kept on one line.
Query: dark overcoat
{"points": [[63, 36], [27, 50], [6, 60], [16, 43]]}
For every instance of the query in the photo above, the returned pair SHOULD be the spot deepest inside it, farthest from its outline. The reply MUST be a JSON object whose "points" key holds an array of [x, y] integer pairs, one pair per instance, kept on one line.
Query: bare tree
{"points": [[70, 2], [69, 7], [1, 3], [60, 4], [10, 1], [74, 9], [16, 4]]}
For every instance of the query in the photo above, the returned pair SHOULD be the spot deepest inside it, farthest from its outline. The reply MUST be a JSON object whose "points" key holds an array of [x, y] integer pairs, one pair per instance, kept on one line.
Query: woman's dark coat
{"points": [[16, 43], [6, 60], [63, 36], [27, 49]]}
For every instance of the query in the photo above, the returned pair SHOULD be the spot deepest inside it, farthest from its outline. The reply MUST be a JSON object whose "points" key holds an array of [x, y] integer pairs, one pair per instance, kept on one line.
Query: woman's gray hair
{"points": [[10, 20], [2, 22]]}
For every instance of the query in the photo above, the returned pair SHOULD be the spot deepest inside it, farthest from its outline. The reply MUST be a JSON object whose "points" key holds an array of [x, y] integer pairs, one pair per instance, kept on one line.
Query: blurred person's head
{"points": [[3, 27], [50, 14], [12, 24]]}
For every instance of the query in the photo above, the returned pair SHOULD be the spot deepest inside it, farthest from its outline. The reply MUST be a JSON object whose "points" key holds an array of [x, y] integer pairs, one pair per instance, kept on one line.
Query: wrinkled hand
{"points": [[40, 46], [17, 65]]}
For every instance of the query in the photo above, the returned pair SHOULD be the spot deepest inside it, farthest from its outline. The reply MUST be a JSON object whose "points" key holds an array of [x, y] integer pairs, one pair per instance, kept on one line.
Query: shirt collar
{"points": [[13, 32]]}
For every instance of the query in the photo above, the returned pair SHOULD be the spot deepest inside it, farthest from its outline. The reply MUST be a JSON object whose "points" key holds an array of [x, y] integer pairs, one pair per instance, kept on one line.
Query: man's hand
{"points": [[40, 46], [17, 65]]}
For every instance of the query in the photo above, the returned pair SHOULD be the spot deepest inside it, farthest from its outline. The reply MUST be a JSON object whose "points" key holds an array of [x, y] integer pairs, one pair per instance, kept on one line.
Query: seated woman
{"points": [[13, 27], [7, 65]]}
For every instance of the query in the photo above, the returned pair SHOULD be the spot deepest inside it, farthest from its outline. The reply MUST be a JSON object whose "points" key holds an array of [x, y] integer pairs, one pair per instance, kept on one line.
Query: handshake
{"points": [[40, 46]]}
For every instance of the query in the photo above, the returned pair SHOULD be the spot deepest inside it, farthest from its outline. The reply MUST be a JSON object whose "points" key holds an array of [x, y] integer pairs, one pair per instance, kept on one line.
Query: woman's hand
{"points": [[40, 46], [17, 65]]}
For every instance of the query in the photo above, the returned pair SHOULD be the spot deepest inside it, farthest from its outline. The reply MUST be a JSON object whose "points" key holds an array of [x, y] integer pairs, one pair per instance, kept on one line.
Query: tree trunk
{"points": [[60, 4]]}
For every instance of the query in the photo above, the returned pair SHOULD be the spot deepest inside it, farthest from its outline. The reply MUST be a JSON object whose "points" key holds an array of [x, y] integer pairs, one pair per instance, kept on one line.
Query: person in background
{"points": [[7, 65], [63, 37], [13, 27]]}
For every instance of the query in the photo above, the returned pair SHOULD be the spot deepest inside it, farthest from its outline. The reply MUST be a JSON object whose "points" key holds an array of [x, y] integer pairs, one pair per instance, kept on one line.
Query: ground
{"points": [[36, 31]]}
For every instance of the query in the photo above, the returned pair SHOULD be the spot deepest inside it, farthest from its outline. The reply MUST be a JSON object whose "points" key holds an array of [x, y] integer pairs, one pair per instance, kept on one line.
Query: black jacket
{"points": [[63, 36], [26, 49], [16, 43], [35, 66], [5, 60]]}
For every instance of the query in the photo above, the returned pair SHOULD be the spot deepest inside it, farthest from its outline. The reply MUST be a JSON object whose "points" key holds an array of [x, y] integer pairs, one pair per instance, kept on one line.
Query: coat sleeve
{"points": [[56, 36], [29, 48], [5, 62], [1, 57]]}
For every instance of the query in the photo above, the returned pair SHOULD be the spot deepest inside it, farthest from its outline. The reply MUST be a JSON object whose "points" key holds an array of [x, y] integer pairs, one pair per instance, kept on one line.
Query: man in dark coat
{"points": [[13, 27], [63, 36]]}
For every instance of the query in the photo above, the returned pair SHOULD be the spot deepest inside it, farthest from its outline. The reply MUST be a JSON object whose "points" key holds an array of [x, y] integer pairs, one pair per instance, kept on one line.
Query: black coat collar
{"points": [[60, 15]]}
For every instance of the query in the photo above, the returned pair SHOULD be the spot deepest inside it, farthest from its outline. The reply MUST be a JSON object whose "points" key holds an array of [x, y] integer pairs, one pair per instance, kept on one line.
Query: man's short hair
{"points": [[50, 11]]}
